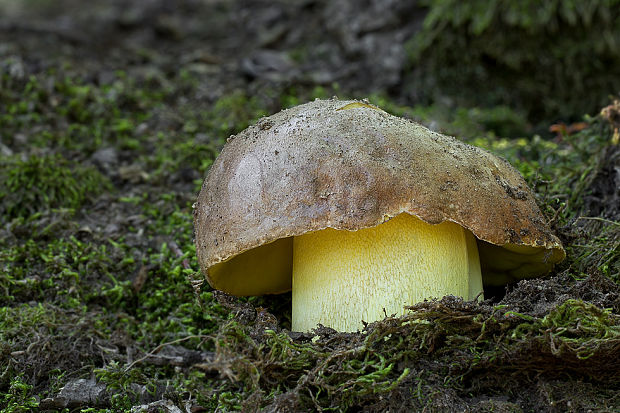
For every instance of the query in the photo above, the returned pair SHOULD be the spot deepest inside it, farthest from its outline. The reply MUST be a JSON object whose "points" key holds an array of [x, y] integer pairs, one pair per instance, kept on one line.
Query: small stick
{"points": [[159, 347], [174, 247]]}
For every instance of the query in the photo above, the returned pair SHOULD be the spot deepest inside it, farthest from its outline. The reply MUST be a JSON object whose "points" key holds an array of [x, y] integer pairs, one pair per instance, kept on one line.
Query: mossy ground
{"points": [[102, 156]]}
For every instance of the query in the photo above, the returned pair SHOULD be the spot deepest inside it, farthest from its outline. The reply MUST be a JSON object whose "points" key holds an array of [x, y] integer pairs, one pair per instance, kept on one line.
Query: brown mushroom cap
{"points": [[349, 165]]}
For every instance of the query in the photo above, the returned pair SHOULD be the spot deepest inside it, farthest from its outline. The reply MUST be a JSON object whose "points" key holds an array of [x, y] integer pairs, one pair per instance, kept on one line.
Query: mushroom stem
{"points": [[343, 277]]}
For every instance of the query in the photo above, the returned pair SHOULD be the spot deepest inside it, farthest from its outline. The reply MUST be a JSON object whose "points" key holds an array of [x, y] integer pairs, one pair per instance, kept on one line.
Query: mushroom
{"points": [[362, 213]]}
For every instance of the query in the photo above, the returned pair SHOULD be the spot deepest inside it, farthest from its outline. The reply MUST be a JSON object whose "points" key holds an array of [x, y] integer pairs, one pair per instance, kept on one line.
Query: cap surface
{"points": [[349, 165]]}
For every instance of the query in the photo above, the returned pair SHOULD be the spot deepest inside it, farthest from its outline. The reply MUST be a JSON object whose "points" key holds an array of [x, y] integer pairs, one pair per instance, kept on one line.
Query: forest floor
{"points": [[110, 117]]}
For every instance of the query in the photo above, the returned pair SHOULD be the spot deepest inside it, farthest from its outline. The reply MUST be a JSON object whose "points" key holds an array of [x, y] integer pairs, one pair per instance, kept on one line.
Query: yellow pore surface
{"points": [[343, 277], [263, 270]]}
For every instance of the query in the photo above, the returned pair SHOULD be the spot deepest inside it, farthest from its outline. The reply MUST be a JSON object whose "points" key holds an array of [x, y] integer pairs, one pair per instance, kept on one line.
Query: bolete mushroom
{"points": [[362, 213]]}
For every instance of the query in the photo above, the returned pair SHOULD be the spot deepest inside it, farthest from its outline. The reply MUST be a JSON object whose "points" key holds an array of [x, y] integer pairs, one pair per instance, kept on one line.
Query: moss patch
{"points": [[543, 58], [40, 183]]}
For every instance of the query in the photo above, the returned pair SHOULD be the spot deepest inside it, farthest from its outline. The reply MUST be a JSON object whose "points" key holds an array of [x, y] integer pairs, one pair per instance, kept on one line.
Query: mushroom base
{"points": [[343, 277]]}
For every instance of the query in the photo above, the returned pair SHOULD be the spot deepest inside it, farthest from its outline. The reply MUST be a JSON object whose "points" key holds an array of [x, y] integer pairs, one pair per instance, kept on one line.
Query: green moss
{"points": [[569, 177], [575, 327], [64, 112], [465, 123], [293, 96], [41, 341], [19, 397], [233, 112], [469, 348], [548, 59], [41, 183]]}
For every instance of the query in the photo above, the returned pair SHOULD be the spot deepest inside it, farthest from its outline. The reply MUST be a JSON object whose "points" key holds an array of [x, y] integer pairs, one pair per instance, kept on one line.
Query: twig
{"points": [[174, 247], [607, 221], [159, 347]]}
